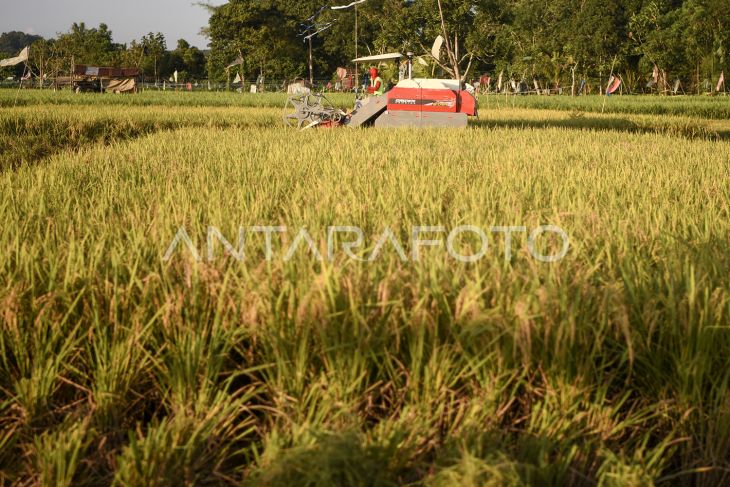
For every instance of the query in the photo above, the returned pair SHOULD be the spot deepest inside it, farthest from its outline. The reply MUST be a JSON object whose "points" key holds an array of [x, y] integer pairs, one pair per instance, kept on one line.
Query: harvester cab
{"points": [[413, 102]]}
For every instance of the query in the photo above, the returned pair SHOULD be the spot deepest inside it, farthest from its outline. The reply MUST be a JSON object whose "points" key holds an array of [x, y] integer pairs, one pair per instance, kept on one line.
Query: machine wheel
{"points": [[297, 111], [306, 111], [303, 111]]}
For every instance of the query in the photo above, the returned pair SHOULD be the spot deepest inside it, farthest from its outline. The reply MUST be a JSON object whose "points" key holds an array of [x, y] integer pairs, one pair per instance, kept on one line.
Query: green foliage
{"points": [[93, 46], [154, 47], [189, 61], [263, 33], [13, 42], [526, 39], [57, 455], [346, 458], [678, 38]]}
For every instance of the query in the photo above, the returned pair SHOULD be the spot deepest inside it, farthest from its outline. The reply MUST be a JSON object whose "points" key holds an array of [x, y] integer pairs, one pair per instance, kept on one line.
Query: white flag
{"points": [[238, 78], [175, 76], [721, 81], [349, 5], [436, 49], [20, 58]]}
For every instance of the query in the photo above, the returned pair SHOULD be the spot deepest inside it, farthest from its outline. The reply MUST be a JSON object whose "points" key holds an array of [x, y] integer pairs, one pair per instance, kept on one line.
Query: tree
{"points": [[93, 46], [45, 59], [12, 42], [189, 61], [262, 32], [133, 55], [154, 49]]}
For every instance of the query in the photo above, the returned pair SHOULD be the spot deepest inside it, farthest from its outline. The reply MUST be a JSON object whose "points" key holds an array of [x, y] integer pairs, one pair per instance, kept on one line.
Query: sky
{"points": [[127, 19]]}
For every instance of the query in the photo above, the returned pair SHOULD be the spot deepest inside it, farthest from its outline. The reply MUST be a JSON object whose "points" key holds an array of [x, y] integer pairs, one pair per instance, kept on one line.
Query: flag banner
{"points": [[613, 85], [436, 49], [237, 62], [175, 76], [310, 25], [721, 81], [349, 5], [655, 74], [20, 58], [238, 79]]}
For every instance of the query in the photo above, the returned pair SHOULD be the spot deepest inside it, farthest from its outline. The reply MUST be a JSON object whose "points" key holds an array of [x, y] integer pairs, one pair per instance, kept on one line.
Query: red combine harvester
{"points": [[411, 103]]}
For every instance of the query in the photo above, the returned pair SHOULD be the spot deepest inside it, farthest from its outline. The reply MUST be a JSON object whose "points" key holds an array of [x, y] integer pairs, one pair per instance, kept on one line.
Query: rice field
{"points": [[144, 341]]}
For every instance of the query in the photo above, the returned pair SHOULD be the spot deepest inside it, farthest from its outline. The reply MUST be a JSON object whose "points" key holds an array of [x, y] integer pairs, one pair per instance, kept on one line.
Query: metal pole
{"points": [[357, 77], [40, 85], [240, 72], [311, 67]]}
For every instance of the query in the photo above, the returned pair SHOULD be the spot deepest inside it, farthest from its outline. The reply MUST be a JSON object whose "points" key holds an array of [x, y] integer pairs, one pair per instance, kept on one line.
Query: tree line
{"points": [[550, 40], [554, 41], [95, 46]]}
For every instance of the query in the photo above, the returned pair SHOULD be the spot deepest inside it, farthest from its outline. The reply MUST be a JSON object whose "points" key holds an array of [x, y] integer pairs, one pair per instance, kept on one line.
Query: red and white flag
{"points": [[613, 85], [721, 81]]}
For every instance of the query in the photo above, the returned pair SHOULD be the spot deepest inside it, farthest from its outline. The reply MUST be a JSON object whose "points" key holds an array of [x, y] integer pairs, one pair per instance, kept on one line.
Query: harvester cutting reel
{"points": [[306, 111]]}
